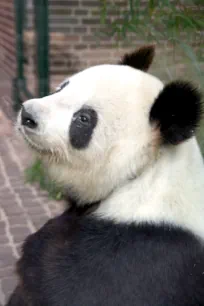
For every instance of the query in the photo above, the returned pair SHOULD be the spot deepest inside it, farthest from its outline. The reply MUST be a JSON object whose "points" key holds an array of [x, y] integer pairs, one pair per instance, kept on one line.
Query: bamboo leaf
{"points": [[191, 55], [152, 4]]}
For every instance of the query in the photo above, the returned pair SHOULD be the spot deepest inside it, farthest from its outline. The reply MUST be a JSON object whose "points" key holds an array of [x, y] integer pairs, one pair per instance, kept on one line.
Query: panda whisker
{"points": [[62, 151]]}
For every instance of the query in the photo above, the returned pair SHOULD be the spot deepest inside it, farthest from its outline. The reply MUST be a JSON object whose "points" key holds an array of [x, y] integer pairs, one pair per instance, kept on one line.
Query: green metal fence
{"points": [[41, 29]]}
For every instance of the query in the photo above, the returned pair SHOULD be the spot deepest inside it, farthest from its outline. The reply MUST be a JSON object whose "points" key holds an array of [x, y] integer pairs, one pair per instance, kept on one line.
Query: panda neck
{"points": [[169, 191]]}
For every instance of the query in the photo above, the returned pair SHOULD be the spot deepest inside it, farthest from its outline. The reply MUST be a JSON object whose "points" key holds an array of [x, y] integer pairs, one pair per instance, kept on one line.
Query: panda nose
{"points": [[27, 119]]}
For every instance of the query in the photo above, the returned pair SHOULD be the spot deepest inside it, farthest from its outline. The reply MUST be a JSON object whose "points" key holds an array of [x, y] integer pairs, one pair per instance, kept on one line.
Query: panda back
{"points": [[83, 261]]}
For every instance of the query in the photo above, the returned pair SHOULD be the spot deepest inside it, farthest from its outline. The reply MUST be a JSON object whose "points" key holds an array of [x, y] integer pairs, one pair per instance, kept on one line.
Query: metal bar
{"points": [[20, 92], [19, 82], [19, 6], [42, 39], [20, 11]]}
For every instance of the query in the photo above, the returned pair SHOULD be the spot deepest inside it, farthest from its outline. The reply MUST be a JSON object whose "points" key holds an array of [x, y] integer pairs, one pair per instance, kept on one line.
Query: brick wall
{"points": [[75, 40], [75, 37], [75, 26], [7, 37]]}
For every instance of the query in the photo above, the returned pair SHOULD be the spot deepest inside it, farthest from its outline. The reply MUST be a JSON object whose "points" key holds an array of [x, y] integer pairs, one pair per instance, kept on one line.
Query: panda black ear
{"points": [[140, 59], [177, 111]]}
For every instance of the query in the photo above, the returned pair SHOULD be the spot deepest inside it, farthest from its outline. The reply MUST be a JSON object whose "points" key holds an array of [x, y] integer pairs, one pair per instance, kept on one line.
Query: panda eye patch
{"points": [[82, 126]]}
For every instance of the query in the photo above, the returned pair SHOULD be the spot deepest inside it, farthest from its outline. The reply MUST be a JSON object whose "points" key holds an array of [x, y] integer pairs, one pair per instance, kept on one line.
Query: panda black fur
{"points": [[132, 243], [75, 260]]}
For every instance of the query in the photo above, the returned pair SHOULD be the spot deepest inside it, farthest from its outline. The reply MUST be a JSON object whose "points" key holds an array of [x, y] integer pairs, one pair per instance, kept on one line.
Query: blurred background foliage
{"points": [[37, 174], [175, 27]]}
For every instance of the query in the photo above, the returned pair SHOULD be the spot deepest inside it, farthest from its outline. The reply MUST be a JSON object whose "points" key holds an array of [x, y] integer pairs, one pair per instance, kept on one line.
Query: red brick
{"points": [[64, 2], [90, 3], [3, 239], [72, 38], [20, 231], [7, 272], [80, 30], [90, 21], [2, 227], [7, 36], [80, 12], [8, 284], [7, 260], [17, 220], [13, 210]]}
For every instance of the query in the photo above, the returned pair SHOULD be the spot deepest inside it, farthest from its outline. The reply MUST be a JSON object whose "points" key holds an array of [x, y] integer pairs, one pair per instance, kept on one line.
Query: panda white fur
{"points": [[123, 144]]}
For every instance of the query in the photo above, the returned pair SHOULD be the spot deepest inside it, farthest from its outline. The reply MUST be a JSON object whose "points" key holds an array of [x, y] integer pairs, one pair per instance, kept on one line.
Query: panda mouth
{"points": [[47, 154], [33, 145]]}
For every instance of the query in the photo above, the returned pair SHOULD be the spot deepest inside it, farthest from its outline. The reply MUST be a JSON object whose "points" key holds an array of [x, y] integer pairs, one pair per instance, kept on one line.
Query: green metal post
{"points": [[19, 82], [20, 11], [42, 39], [19, 79]]}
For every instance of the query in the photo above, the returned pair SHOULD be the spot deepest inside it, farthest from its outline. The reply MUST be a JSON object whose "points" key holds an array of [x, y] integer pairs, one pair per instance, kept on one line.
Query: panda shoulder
{"points": [[36, 244]]}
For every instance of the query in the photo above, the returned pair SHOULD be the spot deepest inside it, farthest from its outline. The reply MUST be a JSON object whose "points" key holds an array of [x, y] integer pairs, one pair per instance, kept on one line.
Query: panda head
{"points": [[104, 126]]}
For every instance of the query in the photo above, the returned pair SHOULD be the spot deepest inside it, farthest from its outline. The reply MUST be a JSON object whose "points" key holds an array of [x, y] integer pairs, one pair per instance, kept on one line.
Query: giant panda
{"points": [[123, 144]]}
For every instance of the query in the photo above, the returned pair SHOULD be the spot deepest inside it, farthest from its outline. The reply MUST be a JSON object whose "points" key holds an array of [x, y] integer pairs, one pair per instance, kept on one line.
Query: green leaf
{"points": [[192, 56], [103, 11], [36, 174], [152, 4], [59, 196], [199, 23]]}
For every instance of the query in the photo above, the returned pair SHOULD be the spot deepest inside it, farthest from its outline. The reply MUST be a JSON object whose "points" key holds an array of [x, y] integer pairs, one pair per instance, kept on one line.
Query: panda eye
{"points": [[82, 126], [84, 118]]}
